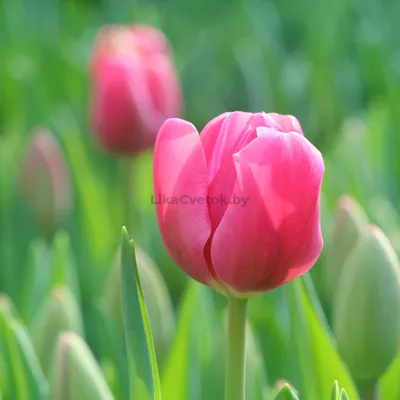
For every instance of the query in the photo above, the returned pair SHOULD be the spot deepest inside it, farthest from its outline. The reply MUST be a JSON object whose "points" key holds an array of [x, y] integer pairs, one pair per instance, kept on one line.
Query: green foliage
{"points": [[143, 370], [330, 64]]}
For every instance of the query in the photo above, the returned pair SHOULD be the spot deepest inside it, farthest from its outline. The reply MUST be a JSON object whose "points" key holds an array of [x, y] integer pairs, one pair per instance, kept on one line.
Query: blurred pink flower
{"points": [[45, 181], [135, 87], [246, 246]]}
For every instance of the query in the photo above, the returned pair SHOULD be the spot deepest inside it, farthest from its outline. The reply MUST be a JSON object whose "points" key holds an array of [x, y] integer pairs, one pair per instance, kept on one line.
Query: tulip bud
{"points": [[238, 206], [335, 393], [156, 296], [349, 222], [59, 313], [75, 373], [366, 314], [286, 392], [45, 181], [135, 87]]}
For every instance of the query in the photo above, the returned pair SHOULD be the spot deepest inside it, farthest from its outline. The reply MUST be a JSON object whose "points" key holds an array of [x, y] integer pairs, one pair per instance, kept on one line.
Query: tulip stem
{"points": [[369, 391], [126, 177], [236, 350]]}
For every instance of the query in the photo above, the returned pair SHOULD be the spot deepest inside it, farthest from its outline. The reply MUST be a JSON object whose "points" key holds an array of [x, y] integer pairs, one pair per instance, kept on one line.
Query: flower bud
{"points": [[335, 393], [238, 205], [75, 373], [286, 392], [135, 87], [366, 314], [45, 181], [156, 296], [348, 224], [59, 313]]}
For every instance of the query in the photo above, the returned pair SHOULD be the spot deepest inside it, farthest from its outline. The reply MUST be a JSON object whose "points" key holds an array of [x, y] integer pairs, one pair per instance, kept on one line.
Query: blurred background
{"points": [[334, 65]]}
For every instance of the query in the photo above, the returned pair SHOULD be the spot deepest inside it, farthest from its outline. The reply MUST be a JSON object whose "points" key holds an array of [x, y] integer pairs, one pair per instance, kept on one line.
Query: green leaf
{"points": [[256, 377], [196, 355], [91, 192], [24, 377], [37, 279], [314, 351], [143, 370], [63, 268], [389, 384]]}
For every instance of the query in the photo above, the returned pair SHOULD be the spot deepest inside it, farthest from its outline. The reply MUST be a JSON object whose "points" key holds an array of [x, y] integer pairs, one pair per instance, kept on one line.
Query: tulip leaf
{"points": [[143, 371], [314, 350], [256, 377], [195, 356], [63, 268], [36, 282], [92, 194], [24, 376], [389, 383]]}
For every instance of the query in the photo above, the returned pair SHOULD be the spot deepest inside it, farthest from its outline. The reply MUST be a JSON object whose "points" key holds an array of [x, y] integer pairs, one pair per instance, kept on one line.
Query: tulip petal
{"points": [[119, 97], [164, 88], [219, 138], [180, 172], [276, 236], [223, 138], [283, 123]]}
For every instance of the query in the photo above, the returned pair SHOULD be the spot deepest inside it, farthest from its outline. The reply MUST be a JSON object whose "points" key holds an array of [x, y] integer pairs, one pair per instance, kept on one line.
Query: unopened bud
{"points": [[286, 392], [366, 314], [45, 181], [348, 224], [59, 313], [75, 373]]}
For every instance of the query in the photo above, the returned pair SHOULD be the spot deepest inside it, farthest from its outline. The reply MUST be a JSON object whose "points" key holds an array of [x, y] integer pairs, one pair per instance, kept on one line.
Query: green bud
{"points": [[348, 224], [343, 395], [59, 313], [366, 315], [335, 394], [75, 373], [156, 296], [286, 392]]}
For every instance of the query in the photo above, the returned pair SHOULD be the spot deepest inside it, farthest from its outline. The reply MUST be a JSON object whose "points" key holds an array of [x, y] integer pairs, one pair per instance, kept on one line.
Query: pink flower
{"points": [[239, 206], [45, 181], [135, 87]]}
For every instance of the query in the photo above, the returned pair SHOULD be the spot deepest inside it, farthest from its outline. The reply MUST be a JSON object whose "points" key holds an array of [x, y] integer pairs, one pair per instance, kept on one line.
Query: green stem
{"points": [[369, 391], [236, 350], [126, 188]]}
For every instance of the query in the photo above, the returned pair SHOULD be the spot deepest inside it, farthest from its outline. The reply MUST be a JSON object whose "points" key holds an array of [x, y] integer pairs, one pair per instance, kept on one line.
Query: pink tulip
{"points": [[135, 87], [45, 181], [201, 186]]}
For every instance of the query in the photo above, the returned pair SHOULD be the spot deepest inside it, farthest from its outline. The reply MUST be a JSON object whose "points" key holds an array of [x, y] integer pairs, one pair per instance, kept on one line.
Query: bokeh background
{"points": [[335, 65]]}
